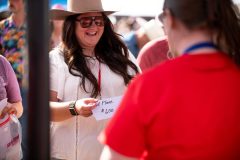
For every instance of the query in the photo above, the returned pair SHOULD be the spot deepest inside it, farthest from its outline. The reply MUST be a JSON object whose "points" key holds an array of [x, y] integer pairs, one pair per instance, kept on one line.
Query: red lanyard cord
{"points": [[99, 79]]}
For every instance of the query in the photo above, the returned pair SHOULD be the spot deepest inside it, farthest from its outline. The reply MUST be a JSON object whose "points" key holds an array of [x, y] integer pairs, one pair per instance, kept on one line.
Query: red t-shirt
{"points": [[187, 108]]}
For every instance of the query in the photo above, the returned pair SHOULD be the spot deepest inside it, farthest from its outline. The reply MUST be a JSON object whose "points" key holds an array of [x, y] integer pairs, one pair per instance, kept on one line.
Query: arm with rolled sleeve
{"points": [[12, 90]]}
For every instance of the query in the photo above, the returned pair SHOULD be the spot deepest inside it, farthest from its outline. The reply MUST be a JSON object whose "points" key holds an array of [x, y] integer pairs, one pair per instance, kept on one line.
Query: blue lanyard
{"points": [[200, 45]]}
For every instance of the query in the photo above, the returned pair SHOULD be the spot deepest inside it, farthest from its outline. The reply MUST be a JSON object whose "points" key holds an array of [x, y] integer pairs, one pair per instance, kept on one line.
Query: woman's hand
{"points": [[85, 106], [9, 109]]}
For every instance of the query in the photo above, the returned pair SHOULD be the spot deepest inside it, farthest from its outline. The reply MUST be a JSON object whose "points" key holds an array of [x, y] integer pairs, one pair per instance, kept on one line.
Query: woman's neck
{"points": [[192, 39], [89, 52]]}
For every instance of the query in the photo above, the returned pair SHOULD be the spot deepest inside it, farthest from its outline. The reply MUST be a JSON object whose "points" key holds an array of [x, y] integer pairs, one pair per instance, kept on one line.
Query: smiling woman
{"points": [[91, 63]]}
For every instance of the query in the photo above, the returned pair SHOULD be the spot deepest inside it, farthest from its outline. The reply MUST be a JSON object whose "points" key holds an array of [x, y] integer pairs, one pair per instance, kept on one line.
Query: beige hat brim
{"points": [[58, 14]]}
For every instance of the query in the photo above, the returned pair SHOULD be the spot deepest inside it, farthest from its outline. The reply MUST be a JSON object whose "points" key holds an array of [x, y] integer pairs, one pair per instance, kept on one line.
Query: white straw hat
{"points": [[77, 7]]}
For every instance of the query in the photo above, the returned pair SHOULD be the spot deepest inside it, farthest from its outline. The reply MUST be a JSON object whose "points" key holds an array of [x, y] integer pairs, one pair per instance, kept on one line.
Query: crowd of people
{"points": [[177, 75]]}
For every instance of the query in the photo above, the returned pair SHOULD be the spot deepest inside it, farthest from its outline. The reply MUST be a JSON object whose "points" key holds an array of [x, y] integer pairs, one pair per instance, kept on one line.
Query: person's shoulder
{"points": [[159, 69], [150, 79], [56, 54], [56, 51], [164, 69], [157, 78], [3, 59], [149, 74], [4, 62]]}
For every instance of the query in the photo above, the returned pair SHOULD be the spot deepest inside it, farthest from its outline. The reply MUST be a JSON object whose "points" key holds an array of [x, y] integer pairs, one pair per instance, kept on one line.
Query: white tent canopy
{"points": [[147, 8]]}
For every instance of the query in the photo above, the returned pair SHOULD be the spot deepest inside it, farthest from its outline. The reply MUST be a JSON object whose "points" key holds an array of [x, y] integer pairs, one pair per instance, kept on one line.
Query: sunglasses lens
{"points": [[99, 21], [86, 22]]}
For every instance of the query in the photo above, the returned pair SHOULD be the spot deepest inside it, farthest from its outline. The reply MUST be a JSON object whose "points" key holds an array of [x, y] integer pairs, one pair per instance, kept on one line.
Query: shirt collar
{"points": [[12, 23]]}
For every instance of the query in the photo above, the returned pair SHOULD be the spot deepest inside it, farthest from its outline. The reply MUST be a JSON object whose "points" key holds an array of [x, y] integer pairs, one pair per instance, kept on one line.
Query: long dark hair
{"points": [[110, 50], [221, 16]]}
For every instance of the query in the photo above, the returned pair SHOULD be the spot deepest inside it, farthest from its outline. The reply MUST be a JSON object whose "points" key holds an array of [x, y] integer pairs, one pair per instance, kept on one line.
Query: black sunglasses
{"points": [[86, 22]]}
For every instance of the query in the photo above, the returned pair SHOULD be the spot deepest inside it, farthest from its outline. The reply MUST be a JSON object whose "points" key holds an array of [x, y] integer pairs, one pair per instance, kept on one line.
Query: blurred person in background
{"points": [[125, 25], [92, 62], [154, 52], [136, 39], [13, 39], [186, 108], [56, 30]]}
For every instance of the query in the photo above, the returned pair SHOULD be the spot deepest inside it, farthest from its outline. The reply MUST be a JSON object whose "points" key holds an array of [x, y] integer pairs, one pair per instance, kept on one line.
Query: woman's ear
{"points": [[169, 23]]}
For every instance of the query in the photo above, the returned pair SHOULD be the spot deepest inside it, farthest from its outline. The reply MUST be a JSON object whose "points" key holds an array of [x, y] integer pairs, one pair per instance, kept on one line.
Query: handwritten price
{"points": [[107, 111], [106, 108]]}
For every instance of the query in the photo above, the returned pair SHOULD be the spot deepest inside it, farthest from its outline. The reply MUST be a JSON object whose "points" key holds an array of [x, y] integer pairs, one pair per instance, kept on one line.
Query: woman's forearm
{"points": [[59, 111]]}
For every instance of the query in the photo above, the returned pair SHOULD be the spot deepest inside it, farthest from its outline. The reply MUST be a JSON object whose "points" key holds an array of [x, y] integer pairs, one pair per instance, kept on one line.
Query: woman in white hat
{"points": [[91, 63]]}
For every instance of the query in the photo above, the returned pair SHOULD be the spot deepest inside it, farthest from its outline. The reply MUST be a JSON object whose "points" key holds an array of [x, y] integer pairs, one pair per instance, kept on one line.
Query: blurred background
{"points": [[126, 7]]}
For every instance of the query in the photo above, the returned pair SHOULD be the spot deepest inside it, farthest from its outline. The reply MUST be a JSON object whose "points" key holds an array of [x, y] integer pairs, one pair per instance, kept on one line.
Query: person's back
{"points": [[194, 121], [195, 115], [188, 107]]}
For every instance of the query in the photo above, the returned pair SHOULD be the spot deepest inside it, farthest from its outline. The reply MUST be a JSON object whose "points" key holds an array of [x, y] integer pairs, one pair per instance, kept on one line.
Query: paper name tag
{"points": [[106, 108]]}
